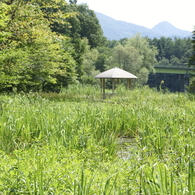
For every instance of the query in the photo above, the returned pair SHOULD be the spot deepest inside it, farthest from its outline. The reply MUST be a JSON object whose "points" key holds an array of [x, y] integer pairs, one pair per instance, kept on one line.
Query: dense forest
{"points": [[45, 46]]}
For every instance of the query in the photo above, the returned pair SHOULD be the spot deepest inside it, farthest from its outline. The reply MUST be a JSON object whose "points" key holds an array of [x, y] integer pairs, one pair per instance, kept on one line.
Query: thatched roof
{"points": [[115, 73]]}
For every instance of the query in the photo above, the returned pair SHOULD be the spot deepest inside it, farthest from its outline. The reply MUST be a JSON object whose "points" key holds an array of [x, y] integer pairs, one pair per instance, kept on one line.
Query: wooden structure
{"points": [[114, 74]]}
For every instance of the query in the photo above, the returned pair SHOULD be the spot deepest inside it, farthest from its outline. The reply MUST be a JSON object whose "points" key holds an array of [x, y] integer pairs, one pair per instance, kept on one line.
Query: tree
{"points": [[192, 63], [192, 58], [89, 57], [175, 61], [171, 52], [82, 25], [136, 55], [73, 1], [127, 58], [31, 55], [169, 48], [89, 26], [100, 63], [146, 51], [4, 17]]}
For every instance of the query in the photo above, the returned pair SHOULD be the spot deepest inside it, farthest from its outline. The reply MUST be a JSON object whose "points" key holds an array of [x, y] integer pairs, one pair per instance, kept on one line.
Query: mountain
{"points": [[168, 30], [116, 30]]}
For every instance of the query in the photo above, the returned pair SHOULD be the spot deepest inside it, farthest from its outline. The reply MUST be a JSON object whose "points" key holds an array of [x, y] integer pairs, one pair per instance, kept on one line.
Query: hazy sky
{"points": [[148, 13]]}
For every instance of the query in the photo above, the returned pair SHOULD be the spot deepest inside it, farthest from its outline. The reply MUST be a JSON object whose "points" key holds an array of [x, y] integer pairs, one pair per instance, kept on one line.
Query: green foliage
{"points": [[84, 25], [192, 63], [176, 50], [103, 57], [46, 45], [171, 52], [129, 144], [192, 57], [4, 18], [146, 51], [136, 55], [100, 63], [27, 60], [90, 56]]}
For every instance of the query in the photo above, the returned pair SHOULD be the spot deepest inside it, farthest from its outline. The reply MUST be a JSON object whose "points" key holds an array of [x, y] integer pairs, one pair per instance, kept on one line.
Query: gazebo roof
{"points": [[115, 73]]}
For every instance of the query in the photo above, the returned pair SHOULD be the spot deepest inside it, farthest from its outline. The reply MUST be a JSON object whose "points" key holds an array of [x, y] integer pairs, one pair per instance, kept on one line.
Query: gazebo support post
{"points": [[129, 83], [112, 86], [103, 89], [117, 82], [101, 85]]}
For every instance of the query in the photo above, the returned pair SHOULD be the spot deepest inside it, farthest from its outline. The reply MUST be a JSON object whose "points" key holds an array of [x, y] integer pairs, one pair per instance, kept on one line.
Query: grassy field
{"points": [[70, 143]]}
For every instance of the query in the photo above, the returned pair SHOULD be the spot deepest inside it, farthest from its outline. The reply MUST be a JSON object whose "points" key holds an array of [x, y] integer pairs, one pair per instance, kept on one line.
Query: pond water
{"points": [[127, 147]]}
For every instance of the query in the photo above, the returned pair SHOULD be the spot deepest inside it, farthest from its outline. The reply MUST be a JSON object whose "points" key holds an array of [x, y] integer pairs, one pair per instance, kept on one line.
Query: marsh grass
{"points": [[76, 92], [67, 143]]}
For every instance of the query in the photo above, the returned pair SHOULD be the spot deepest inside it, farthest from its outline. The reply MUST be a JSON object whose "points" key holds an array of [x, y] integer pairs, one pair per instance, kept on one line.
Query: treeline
{"points": [[139, 55], [42, 43], [171, 52], [46, 45]]}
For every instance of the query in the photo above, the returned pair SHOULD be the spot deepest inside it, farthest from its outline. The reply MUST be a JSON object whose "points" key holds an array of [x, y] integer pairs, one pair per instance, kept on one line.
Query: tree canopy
{"points": [[81, 26], [32, 57], [135, 55], [192, 57], [46, 45], [192, 63], [171, 52]]}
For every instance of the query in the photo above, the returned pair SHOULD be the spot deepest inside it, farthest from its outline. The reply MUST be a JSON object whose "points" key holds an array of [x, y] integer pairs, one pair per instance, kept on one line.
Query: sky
{"points": [[147, 13]]}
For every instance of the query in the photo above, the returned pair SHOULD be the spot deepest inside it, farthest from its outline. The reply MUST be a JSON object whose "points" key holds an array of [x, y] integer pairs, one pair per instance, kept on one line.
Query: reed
{"points": [[67, 143]]}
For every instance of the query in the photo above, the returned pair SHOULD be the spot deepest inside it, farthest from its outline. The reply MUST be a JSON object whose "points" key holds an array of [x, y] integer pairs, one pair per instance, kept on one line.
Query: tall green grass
{"points": [[67, 143]]}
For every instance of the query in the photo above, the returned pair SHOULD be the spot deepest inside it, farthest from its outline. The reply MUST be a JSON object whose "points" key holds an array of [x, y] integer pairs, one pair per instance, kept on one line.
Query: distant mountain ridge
{"points": [[116, 30]]}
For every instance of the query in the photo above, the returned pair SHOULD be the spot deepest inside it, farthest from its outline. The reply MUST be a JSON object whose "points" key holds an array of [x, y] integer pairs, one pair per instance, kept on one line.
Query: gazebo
{"points": [[114, 73]]}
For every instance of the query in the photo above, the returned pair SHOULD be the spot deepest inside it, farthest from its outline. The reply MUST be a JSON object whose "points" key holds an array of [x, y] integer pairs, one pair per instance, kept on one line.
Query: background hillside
{"points": [[116, 30]]}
